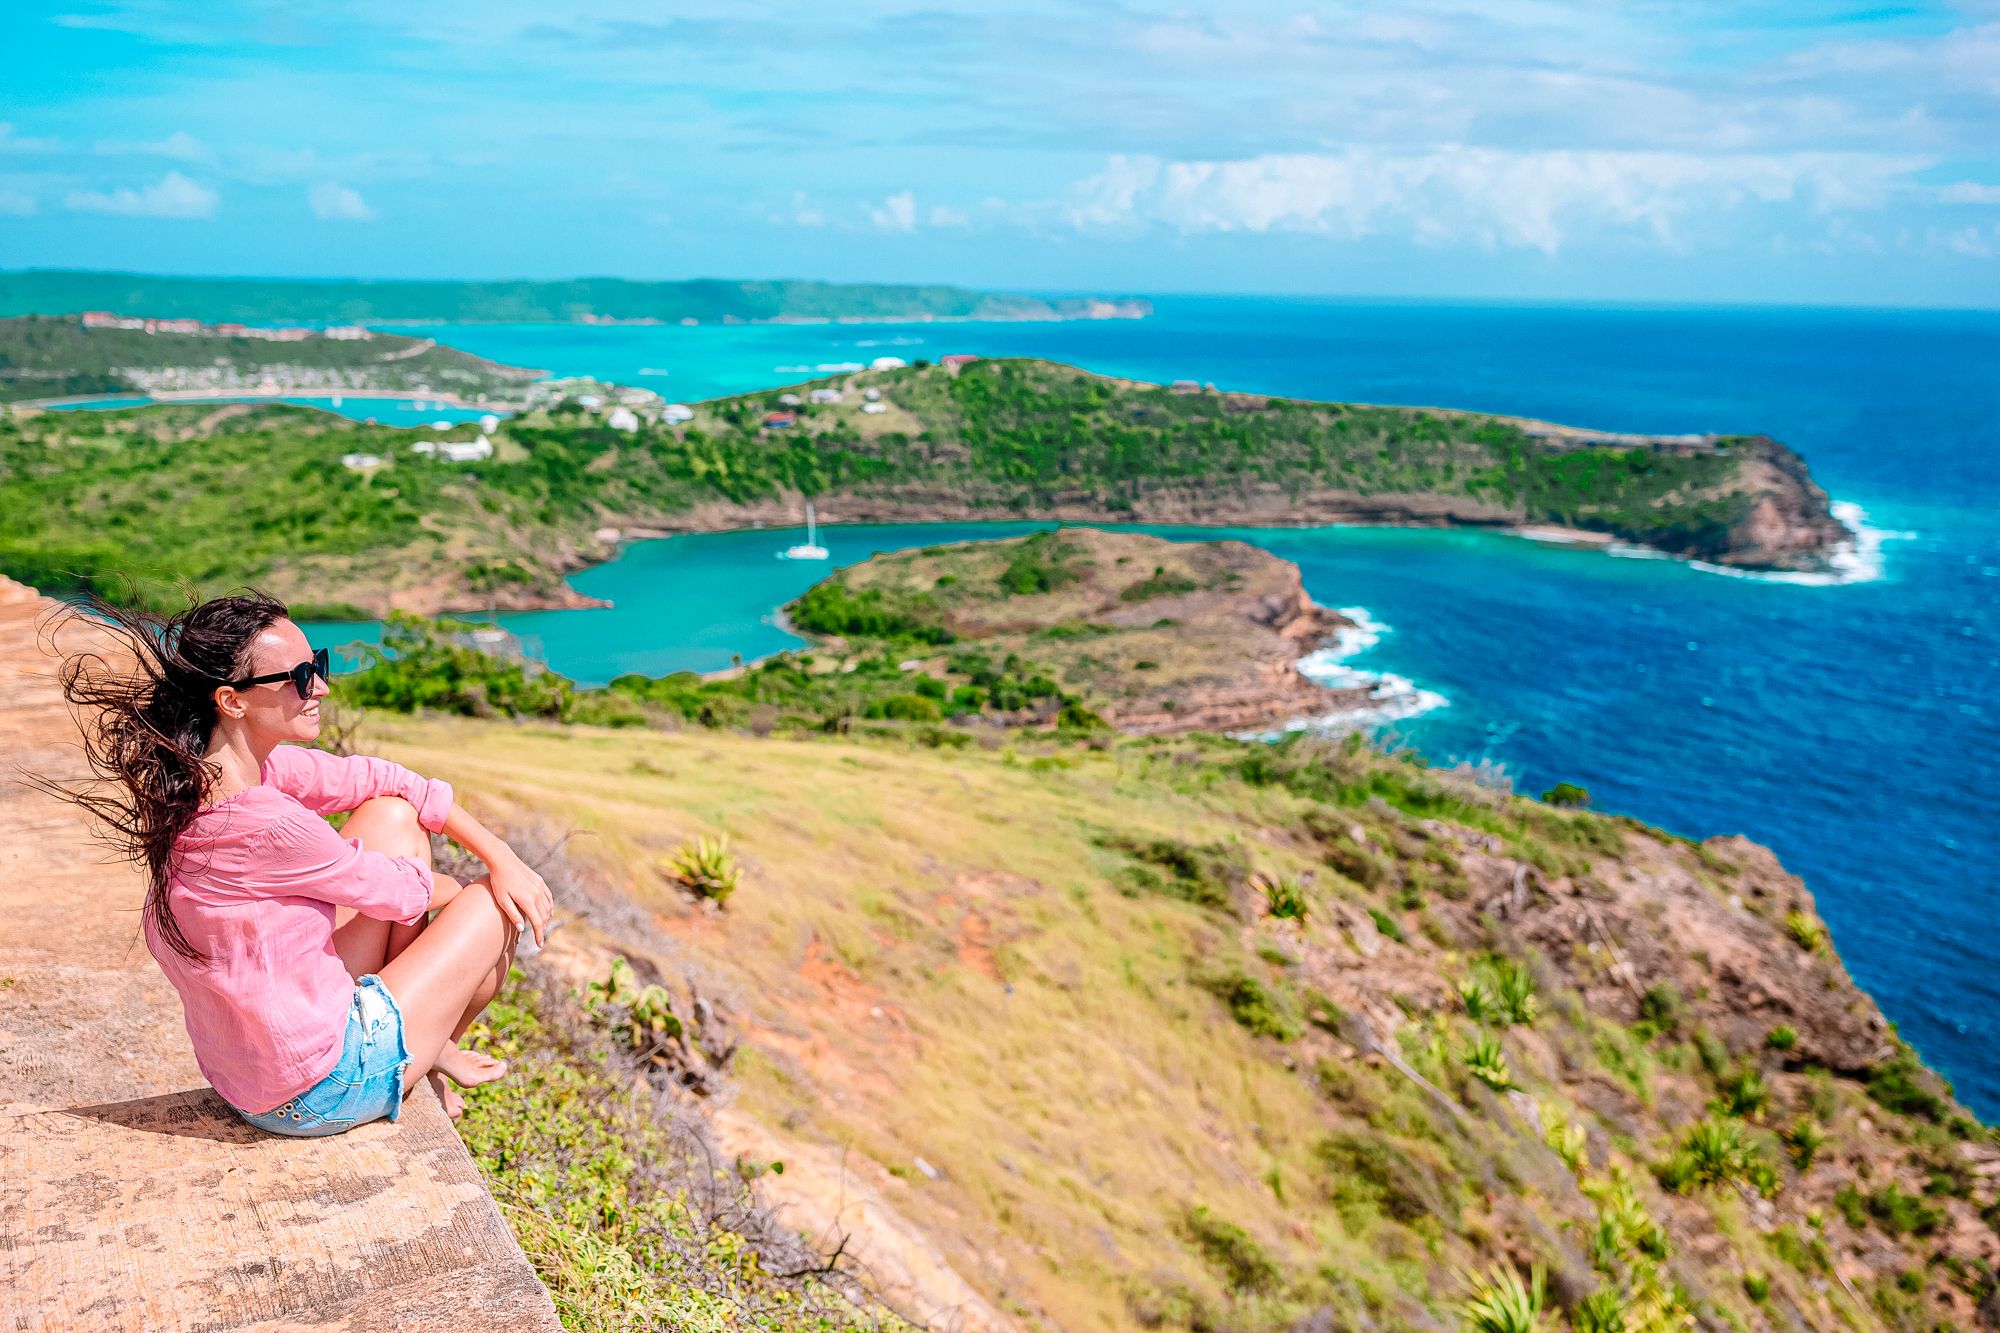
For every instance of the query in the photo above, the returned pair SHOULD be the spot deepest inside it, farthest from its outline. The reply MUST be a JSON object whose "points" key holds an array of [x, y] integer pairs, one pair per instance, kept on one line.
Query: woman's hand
{"points": [[522, 895]]}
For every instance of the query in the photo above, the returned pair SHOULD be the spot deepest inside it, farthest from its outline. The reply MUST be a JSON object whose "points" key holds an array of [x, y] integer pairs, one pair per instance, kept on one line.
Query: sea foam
{"points": [[1856, 560], [1391, 698]]}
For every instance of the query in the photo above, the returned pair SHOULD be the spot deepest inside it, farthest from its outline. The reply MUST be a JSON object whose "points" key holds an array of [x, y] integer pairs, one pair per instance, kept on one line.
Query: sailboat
{"points": [[811, 550]]}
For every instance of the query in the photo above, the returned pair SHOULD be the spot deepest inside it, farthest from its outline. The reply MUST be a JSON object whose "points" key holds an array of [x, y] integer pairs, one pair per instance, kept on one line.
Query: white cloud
{"points": [[1487, 196], [179, 146], [1969, 192], [16, 203], [11, 142], [172, 196], [897, 213], [806, 212], [334, 202], [943, 216]]}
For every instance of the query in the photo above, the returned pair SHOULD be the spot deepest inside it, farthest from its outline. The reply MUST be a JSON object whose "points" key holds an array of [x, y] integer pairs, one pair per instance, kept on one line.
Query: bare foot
{"points": [[466, 1068], [454, 1105]]}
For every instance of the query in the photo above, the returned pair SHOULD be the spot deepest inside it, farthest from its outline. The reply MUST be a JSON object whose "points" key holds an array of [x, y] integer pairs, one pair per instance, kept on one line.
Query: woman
{"points": [[322, 974]]}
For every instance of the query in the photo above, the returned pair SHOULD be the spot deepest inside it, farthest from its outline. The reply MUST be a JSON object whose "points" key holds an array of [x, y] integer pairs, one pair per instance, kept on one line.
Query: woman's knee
{"points": [[389, 824]]}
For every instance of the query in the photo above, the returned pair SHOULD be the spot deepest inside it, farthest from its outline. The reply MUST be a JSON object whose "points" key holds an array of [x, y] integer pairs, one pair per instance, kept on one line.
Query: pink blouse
{"points": [[258, 878]]}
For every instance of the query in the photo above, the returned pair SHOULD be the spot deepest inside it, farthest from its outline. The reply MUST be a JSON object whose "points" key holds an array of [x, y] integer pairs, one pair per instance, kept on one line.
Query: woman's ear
{"points": [[228, 703]]}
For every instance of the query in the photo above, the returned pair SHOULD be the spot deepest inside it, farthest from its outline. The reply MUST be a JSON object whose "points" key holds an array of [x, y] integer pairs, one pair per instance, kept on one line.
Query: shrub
{"points": [[1387, 924], [1903, 1214], [1480, 1006], [706, 868], [906, 708], [1782, 1038], [1568, 795], [1661, 1008], [1487, 1062], [1514, 988], [1037, 566], [1743, 1094], [1231, 1251], [1251, 1004], [1757, 1287], [1158, 584], [1200, 873], [1503, 1303], [1900, 1083], [1371, 1171]]}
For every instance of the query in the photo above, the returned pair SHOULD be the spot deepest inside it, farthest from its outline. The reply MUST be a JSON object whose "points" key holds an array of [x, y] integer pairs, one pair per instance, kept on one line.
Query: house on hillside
{"points": [[99, 319], [887, 363], [348, 333], [788, 400], [675, 413], [1184, 386], [875, 407], [360, 462], [780, 420], [622, 418], [465, 451], [957, 361], [822, 396]]}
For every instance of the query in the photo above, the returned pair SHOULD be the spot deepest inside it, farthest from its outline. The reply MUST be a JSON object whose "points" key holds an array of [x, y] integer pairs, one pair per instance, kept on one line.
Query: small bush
{"points": [[1231, 1251], [1568, 795], [706, 868], [906, 708], [1902, 1214], [1744, 1094], [1568, 1141], [1757, 1287], [1713, 1154], [1603, 1311], [1252, 1004], [1369, 1171], [1387, 924], [1804, 1140], [1901, 1084], [1661, 1008], [1782, 1038]]}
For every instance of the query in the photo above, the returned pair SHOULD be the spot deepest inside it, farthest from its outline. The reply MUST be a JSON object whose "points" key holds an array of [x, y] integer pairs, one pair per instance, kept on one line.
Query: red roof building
{"points": [[780, 420], [957, 360]]}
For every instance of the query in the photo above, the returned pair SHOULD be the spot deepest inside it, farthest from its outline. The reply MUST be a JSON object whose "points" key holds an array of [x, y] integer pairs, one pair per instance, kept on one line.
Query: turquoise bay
{"points": [[1852, 728]]}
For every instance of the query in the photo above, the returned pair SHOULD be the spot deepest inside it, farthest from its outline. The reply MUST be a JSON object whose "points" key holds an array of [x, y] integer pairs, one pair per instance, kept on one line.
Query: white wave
{"points": [[838, 367], [889, 342], [1391, 698], [655, 372], [1856, 560]]}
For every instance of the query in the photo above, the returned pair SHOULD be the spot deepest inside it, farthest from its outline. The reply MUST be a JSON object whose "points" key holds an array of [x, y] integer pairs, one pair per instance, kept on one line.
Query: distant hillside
{"points": [[992, 440], [267, 300], [55, 358]]}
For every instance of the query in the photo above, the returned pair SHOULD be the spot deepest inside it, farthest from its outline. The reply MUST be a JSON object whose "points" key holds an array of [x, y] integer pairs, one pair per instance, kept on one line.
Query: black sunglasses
{"points": [[301, 675]]}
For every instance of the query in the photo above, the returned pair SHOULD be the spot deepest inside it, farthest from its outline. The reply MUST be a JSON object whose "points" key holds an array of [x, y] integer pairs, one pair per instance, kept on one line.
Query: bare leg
{"points": [[443, 978], [388, 824], [385, 824]]}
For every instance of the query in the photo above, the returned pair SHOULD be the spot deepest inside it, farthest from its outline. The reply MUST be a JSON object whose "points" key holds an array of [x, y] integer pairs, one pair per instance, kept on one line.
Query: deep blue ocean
{"points": [[1852, 727]]}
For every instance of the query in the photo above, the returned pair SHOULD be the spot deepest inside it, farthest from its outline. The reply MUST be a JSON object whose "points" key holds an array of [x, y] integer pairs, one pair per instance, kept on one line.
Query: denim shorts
{"points": [[367, 1083]]}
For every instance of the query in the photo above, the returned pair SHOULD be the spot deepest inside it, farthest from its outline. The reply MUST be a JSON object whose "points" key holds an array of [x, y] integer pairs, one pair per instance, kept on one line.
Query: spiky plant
{"points": [[1804, 1140], [1568, 1141], [1713, 1153], [1514, 988], [1480, 1006], [1806, 932], [1744, 1093], [1488, 1063], [706, 868], [1504, 1303], [1603, 1311], [1284, 898]]}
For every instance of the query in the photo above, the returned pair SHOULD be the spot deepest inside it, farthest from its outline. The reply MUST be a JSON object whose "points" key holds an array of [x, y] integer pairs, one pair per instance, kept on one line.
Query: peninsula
{"points": [[581, 300], [354, 519], [101, 353]]}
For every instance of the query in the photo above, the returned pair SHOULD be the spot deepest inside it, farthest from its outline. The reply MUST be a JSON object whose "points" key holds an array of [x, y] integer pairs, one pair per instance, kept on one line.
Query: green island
{"points": [[1060, 1023], [260, 494], [262, 300]]}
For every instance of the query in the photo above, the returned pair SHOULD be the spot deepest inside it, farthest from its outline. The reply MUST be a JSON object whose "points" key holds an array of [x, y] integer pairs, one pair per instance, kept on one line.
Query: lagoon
{"points": [[1852, 728]]}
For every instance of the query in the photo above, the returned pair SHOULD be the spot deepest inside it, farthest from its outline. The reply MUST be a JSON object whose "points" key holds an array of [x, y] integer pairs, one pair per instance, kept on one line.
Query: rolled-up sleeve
{"points": [[330, 783], [300, 856]]}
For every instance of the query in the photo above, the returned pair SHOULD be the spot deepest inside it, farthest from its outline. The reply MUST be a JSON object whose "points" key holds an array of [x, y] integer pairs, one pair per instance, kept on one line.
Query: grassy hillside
{"points": [[50, 358], [273, 300], [1211, 1036], [1004, 439]]}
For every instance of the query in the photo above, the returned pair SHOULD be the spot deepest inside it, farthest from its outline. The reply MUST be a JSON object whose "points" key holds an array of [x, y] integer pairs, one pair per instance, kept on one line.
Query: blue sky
{"points": [[1537, 149]]}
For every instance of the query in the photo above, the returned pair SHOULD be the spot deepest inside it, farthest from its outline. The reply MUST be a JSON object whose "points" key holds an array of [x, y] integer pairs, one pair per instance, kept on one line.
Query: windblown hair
{"points": [[148, 709]]}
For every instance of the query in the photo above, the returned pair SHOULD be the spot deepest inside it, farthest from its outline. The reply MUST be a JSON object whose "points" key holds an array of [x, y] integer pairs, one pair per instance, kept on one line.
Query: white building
{"points": [[348, 333], [622, 418], [871, 394], [465, 451], [675, 413], [875, 408], [361, 462], [488, 424], [590, 400], [887, 363], [788, 400], [825, 396]]}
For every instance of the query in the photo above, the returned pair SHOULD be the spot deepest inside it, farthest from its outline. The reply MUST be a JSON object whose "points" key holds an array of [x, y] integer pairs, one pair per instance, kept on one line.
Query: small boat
{"points": [[811, 550]]}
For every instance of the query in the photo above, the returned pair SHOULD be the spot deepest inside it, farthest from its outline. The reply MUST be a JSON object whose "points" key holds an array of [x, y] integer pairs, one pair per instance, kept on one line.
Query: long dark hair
{"points": [[148, 709]]}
